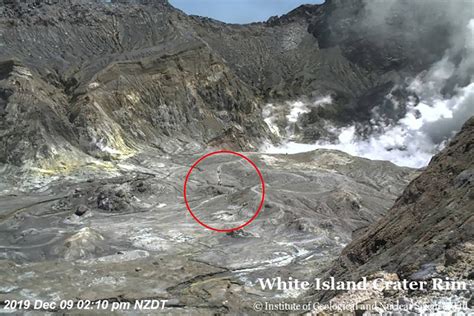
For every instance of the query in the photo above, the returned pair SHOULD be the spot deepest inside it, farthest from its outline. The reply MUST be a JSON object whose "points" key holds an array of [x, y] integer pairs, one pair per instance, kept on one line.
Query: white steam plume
{"points": [[427, 125]]}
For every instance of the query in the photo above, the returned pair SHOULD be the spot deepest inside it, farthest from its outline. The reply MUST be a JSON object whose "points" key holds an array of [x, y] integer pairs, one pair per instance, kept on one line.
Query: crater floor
{"points": [[125, 234]]}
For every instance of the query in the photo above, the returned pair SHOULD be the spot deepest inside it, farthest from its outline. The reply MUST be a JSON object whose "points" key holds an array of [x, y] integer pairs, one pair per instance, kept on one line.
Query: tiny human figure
{"points": [[219, 180]]}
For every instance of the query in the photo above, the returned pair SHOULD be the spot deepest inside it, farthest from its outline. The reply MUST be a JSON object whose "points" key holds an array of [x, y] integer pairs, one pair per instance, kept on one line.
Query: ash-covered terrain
{"points": [[105, 106], [129, 236]]}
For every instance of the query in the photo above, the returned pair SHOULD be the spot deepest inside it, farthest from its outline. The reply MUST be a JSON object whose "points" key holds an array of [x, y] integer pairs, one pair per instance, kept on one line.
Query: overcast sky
{"points": [[239, 11]]}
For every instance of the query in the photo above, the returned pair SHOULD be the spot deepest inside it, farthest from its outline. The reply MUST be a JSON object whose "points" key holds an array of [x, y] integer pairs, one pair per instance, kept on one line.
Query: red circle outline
{"points": [[261, 181]]}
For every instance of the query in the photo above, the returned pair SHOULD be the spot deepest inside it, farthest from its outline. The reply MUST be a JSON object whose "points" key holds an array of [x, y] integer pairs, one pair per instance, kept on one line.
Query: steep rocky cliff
{"points": [[106, 79], [429, 231]]}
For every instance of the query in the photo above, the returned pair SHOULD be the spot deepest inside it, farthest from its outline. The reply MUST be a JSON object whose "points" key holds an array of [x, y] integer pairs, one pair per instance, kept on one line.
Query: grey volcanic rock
{"points": [[429, 231], [104, 106], [108, 79], [152, 248], [81, 210]]}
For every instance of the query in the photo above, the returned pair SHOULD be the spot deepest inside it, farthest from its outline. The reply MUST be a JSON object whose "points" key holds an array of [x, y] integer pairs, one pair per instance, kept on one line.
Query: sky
{"points": [[239, 11]]}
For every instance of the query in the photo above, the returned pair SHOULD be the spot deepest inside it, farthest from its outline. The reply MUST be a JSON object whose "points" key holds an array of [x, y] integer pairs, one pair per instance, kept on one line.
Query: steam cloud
{"points": [[446, 101]]}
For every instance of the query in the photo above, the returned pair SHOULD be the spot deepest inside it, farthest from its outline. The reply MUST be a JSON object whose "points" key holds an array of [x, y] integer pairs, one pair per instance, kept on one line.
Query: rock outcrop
{"points": [[429, 231], [105, 79]]}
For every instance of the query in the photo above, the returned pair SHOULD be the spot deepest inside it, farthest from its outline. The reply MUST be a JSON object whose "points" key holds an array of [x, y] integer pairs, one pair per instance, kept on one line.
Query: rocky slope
{"points": [[106, 79], [429, 231]]}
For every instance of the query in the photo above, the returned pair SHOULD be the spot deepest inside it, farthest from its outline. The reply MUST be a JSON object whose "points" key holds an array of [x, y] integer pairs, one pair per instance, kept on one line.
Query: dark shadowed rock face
{"points": [[429, 231]]}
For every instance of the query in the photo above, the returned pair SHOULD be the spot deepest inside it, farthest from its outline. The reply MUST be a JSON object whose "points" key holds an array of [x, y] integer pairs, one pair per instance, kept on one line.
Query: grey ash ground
{"points": [[131, 237], [224, 192]]}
